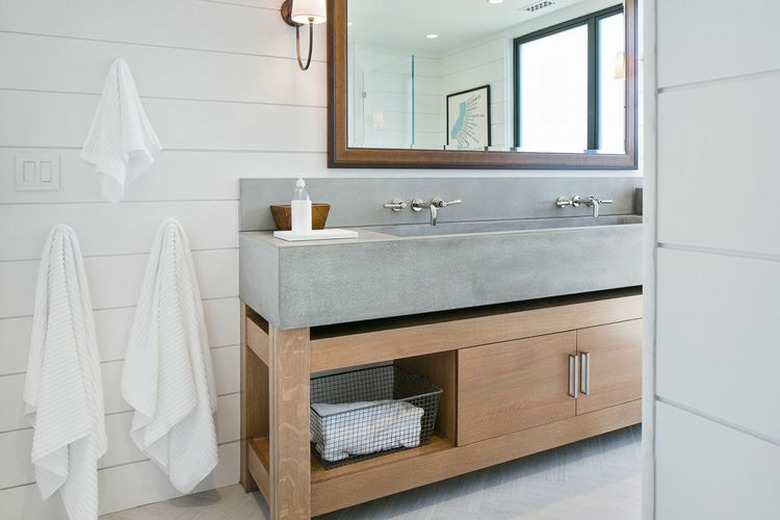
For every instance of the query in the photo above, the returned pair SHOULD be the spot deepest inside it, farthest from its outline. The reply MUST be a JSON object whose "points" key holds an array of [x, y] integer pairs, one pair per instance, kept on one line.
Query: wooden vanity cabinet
{"points": [[506, 380], [514, 385], [614, 356]]}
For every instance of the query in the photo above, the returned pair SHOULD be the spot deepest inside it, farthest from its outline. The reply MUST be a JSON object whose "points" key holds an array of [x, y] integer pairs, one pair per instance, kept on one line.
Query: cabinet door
{"points": [[610, 365], [510, 386]]}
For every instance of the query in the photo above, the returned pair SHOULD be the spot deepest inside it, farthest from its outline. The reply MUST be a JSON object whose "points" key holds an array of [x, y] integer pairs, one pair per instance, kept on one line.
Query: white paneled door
{"points": [[715, 251]]}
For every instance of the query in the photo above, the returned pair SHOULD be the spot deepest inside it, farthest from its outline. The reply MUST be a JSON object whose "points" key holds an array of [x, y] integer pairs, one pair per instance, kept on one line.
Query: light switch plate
{"points": [[37, 171]]}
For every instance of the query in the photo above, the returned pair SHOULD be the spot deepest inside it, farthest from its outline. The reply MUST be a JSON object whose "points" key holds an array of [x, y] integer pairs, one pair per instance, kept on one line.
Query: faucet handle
{"points": [[439, 203], [397, 205]]}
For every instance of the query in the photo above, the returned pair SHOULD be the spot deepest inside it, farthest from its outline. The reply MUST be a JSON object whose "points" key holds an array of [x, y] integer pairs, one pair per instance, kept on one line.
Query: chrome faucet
{"points": [[434, 206], [592, 202], [595, 203]]}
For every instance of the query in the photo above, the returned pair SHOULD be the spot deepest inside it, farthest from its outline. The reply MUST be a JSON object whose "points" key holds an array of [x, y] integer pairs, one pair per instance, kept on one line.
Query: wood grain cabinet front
{"points": [[610, 364], [510, 386]]}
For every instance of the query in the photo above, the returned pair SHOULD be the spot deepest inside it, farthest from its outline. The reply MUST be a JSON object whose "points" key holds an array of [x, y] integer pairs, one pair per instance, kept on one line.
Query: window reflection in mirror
{"points": [[554, 72], [570, 86]]}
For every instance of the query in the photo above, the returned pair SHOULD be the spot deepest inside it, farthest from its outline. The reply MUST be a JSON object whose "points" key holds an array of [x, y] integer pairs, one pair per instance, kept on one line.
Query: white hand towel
{"points": [[366, 427], [167, 376], [121, 142], [63, 390]]}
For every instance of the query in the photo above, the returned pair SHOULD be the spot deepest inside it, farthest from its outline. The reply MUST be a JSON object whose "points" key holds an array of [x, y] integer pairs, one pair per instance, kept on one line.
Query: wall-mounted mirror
{"points": [[483, 84]]}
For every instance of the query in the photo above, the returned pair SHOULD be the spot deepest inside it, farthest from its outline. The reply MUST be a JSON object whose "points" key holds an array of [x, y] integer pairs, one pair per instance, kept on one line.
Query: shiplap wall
{"points": [[488, 63], [222, 88], [717, 401]]}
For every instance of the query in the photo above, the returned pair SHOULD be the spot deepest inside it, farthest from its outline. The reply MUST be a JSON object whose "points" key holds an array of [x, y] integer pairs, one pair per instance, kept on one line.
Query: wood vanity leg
{"points": [[254, 403], [290, 463]]}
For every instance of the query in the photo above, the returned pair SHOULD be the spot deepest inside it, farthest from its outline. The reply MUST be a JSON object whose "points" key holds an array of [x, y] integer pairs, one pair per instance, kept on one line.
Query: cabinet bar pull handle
{"points": [[585, 375], [573, 386]]}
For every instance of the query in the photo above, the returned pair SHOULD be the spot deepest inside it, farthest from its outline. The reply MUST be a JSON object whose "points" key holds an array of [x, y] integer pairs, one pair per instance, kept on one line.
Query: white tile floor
{"points": [[596, 479]]}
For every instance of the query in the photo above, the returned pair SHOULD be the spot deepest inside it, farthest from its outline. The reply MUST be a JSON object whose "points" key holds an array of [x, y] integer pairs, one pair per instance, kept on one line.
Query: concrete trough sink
{"points": [[416, 268]]}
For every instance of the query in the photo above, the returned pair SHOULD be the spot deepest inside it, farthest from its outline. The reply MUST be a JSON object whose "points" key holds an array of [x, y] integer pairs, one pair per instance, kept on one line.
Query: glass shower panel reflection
{"points": [[382, 93], [395, 100]]}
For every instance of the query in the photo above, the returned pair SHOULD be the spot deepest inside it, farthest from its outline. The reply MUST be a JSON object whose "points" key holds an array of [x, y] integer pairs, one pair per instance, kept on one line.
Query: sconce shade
{"points": [[305, 10], [378, 118], [620, 65]]}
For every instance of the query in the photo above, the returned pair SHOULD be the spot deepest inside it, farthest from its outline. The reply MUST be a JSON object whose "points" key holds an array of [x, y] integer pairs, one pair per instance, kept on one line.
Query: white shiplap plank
{"points": [[706, 470], [223, 321], [115, 281], [121, 487], [173, 23], [62, 120], [15, 450], [12, 403], [175, 175], [14, 344], [693, 52], [68, 65], [15, 447], [214, 175], [226, 368], [717, 317], [708, 144], [114, 229], [473, 56], [225, 362], [122, 449], [113, 330]]}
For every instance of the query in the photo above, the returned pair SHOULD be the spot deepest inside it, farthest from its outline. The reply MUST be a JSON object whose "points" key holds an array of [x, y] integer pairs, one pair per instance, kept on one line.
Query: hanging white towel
{"points": [[167, 376], [63, 390], [121, 142]]}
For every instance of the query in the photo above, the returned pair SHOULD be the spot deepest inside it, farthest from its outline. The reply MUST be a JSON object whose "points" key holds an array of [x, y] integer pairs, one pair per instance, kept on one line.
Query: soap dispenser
{"points": [[301, 209]]}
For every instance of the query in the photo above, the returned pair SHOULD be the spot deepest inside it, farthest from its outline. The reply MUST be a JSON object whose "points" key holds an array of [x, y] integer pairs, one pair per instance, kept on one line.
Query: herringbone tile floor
{"points": [[596, 479]]}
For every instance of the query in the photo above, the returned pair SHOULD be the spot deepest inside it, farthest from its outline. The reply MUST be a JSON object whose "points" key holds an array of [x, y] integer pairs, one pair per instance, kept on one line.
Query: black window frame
{"points": [[591, 21]]}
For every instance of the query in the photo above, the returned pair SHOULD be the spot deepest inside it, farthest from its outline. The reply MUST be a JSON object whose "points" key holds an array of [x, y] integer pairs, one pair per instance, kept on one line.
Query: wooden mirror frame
{"points": [[340, 155]]}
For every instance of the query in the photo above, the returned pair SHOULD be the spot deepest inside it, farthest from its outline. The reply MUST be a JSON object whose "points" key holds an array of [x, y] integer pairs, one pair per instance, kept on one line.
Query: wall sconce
{"points": [[620, 65], [377, 119], [302, 12]]}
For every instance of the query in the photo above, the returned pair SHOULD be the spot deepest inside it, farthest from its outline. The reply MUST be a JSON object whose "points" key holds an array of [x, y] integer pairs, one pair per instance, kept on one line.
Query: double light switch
{"points": [[37, 171]]}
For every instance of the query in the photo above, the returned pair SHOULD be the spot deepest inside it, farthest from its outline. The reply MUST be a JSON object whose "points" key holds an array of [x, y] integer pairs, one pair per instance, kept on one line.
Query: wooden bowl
{"points": [[282, 214]]}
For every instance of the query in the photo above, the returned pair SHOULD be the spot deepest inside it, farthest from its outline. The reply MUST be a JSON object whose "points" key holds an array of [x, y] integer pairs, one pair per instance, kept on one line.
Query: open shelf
{"points": [[261, 452], [365, 473]]}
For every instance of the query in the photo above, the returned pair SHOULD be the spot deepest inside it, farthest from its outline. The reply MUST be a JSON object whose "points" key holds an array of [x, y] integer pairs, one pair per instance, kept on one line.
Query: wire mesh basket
{"points": [[369, 412]]}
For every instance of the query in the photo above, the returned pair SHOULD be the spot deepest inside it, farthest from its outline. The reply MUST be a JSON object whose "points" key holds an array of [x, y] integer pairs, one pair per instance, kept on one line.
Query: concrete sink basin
{"points": [[416, 268], [503, 226]]}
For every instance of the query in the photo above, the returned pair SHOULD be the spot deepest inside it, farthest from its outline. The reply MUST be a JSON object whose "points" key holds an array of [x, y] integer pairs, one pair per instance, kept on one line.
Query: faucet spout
{"points": [[591, 202], [433, 206], [596, 203], [434, 214]]}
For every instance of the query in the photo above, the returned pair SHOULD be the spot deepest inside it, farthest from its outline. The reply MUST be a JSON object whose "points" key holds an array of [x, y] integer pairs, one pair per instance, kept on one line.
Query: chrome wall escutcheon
{"points": [[396, 205]]}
